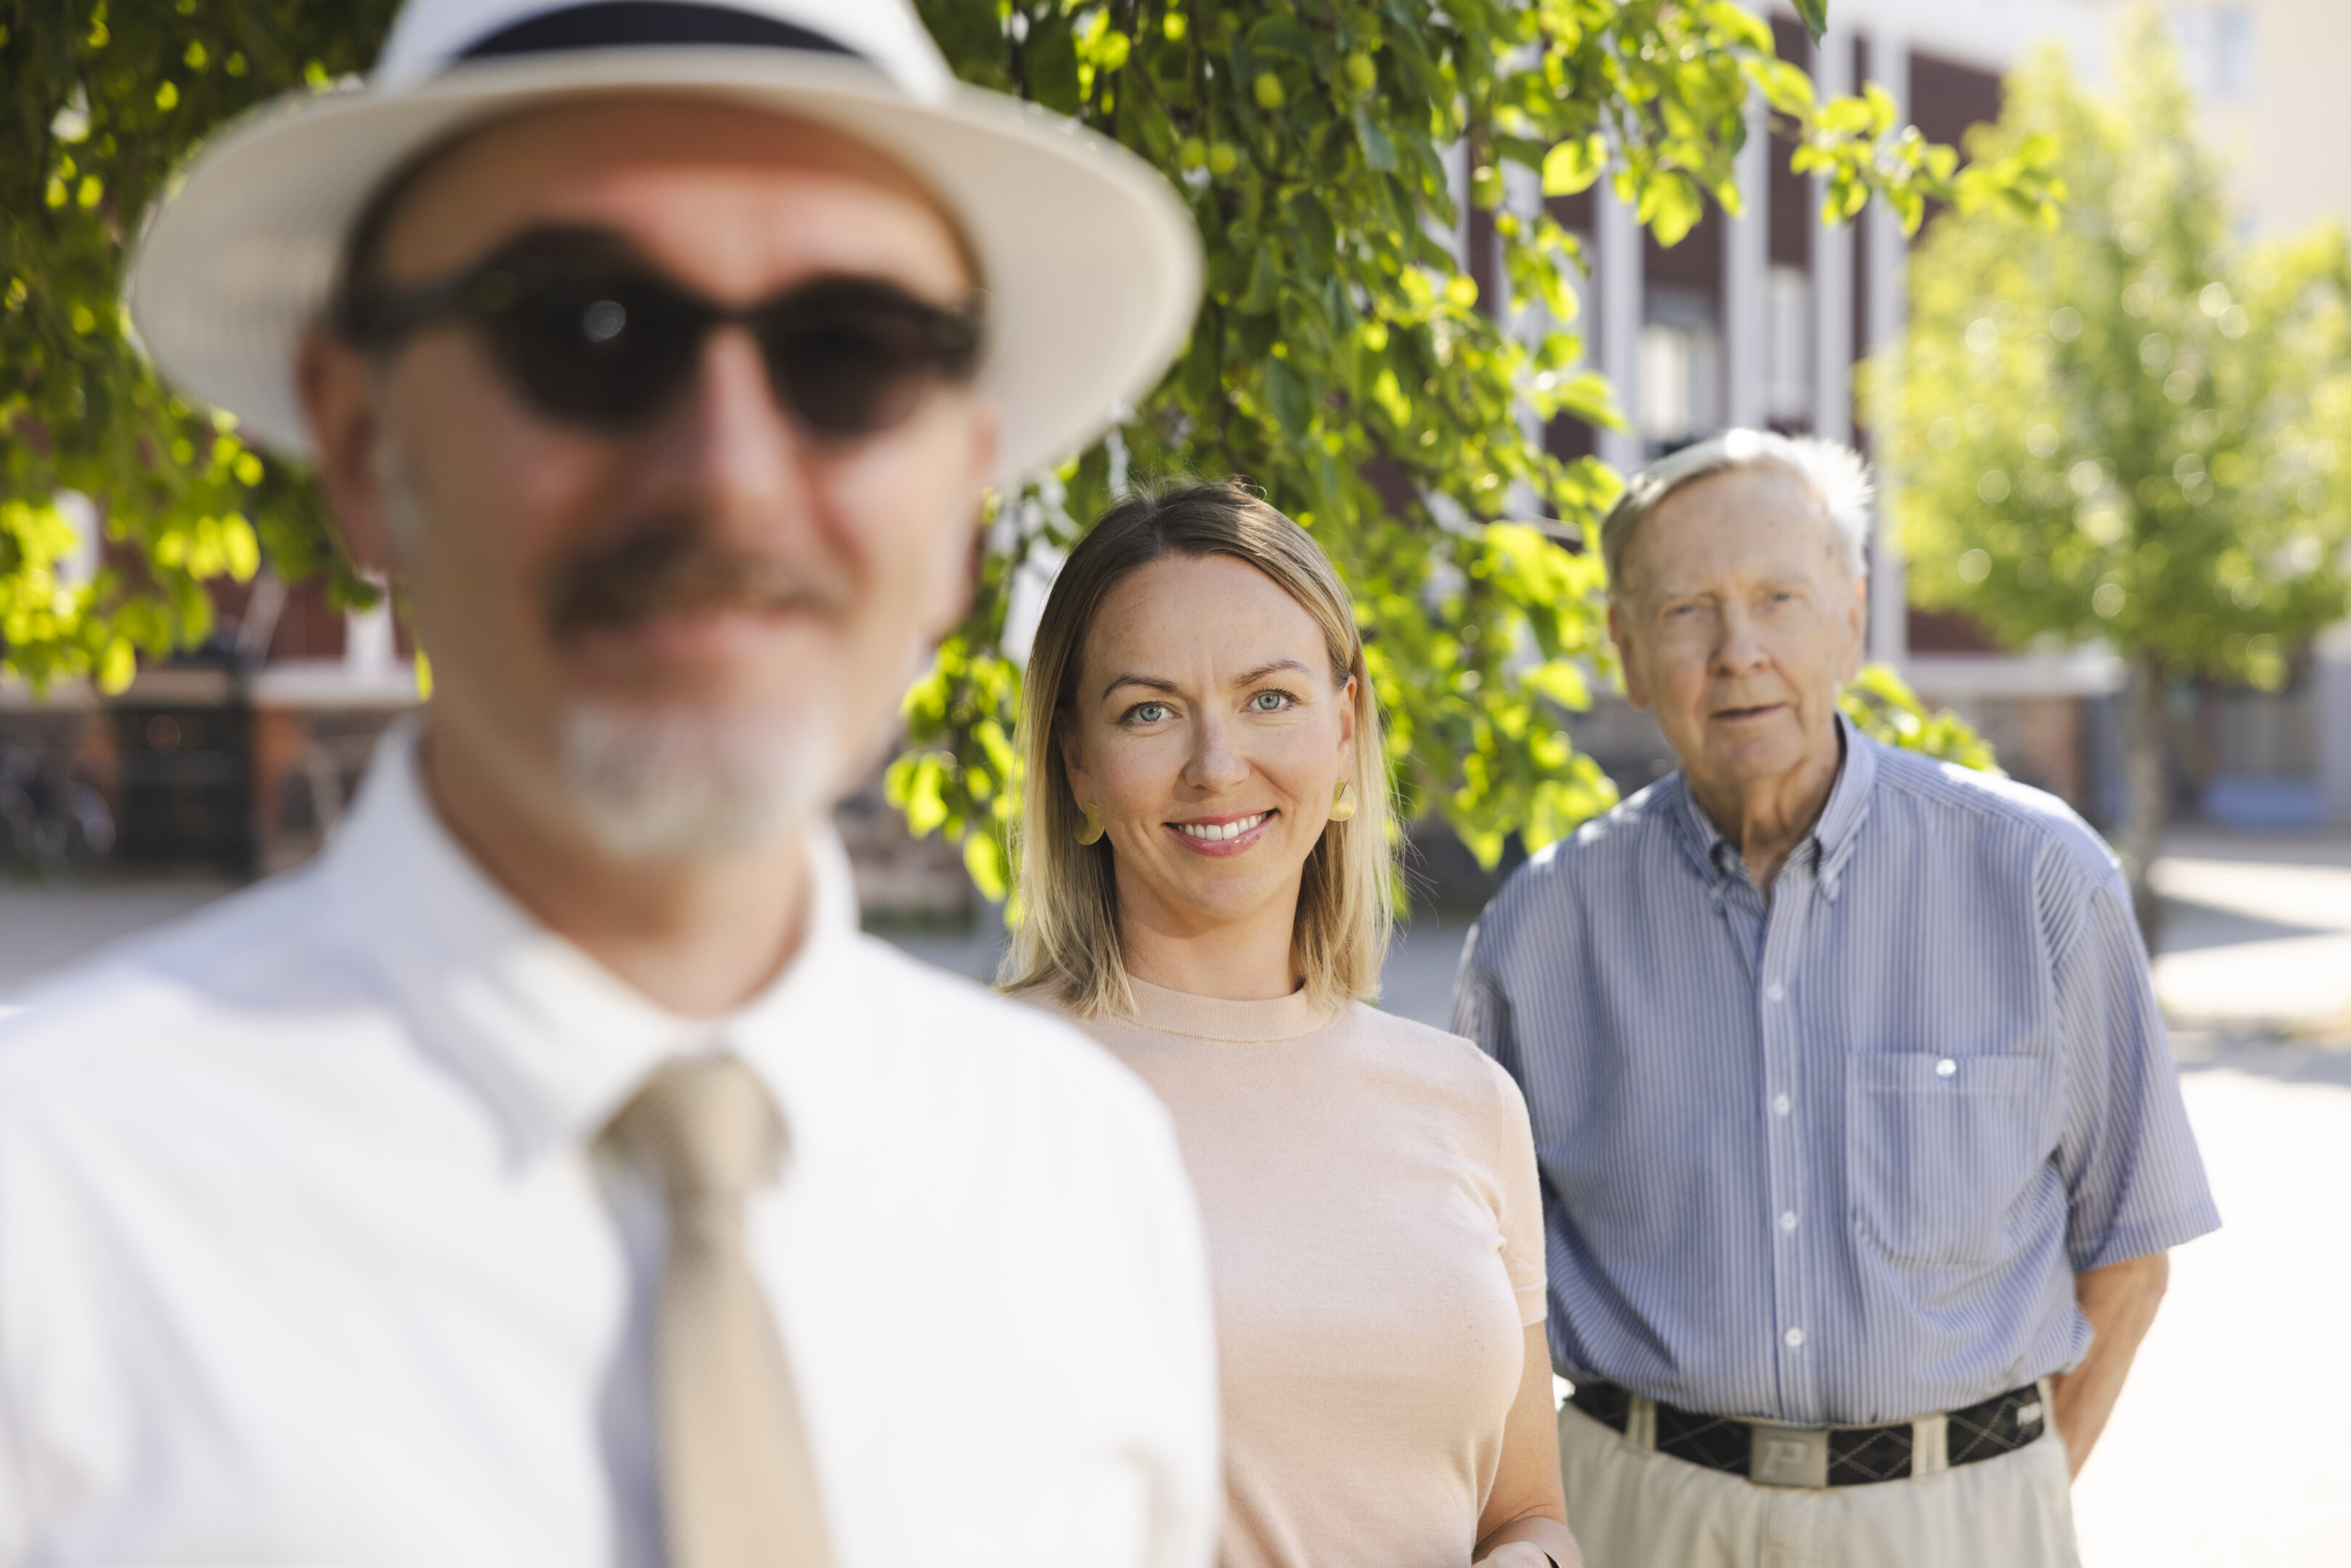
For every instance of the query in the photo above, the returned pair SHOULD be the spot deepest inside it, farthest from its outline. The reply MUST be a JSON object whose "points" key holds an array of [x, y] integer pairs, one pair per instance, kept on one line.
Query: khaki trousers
{"points": [[1635, 1509]]}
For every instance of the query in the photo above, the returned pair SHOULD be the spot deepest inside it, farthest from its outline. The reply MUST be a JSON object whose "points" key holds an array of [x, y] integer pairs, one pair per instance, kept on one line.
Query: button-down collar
{"points": [[1824, 849], [554, 1042]]}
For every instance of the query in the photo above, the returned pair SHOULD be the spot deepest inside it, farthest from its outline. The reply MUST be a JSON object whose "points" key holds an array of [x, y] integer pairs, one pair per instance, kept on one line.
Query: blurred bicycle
{"points": [[53, 822]]}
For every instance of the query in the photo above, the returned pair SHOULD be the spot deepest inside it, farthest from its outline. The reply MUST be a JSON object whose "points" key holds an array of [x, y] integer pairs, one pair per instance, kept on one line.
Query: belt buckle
{"points": [[1789, 1456]]}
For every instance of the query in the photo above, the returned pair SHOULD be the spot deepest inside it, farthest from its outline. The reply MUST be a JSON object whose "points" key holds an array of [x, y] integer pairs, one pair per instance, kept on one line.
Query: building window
{"points": [[1680, 397], [2216, 50], [1787, 348]]}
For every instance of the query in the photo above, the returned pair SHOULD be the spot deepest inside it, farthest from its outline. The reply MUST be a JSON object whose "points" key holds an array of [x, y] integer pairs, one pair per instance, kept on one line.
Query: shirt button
{"points": [[1795, 1338], [1782, 1105], [1946, 1067], [1776, 991], [1788, 1220]]}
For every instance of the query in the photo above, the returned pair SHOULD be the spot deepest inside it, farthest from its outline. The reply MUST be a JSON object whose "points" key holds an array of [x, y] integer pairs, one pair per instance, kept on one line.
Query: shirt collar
{"points": [[1828, 845], [552, 1041]]}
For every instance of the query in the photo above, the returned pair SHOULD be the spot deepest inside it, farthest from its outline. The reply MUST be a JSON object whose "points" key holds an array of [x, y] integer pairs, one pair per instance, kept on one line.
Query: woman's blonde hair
{"points": [[1068, 941]]}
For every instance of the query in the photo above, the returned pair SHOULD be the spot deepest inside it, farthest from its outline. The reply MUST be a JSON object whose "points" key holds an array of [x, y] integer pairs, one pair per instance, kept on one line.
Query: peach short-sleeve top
{"points": [[1374, 1239]]}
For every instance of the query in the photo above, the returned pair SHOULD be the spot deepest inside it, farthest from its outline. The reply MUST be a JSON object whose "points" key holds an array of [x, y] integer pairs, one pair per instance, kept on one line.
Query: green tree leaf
{"points": [[1883, 705], [104, 105], [1574, 165]]}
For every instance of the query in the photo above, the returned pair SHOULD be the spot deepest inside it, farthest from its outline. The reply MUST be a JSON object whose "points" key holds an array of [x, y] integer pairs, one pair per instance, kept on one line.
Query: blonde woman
{"points": [[1206, 873]]}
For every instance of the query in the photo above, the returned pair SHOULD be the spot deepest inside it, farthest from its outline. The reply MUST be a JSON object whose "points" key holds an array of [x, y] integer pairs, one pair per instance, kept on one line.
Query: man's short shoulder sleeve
{"points": [[973, 1027], [16, 1520], [1520, 1185], [1092, 1179], [2135, 1180], [1535, 922]]}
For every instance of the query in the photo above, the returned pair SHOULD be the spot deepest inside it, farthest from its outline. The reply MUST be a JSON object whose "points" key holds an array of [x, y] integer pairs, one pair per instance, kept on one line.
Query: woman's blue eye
{"points": [[1148, 712], [1269, 702]]}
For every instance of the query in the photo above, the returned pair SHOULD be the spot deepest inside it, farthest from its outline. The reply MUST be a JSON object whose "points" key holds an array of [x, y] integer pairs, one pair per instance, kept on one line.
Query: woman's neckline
{"points": [[1218, 1017]]}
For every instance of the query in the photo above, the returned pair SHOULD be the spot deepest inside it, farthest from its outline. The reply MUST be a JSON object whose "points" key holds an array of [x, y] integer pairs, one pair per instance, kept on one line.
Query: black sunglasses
{"points": [[591, 335]]}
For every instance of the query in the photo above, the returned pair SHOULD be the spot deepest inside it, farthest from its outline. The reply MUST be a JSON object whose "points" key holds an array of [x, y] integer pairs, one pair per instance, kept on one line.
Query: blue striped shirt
{"points": [[1835, 1157]]}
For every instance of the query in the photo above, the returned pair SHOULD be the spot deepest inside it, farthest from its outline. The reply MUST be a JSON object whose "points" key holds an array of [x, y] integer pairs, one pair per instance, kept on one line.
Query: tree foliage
{"points": [[99, 103], [1883, 705], [1346, 364], [1343, 359], [2129, 428]]}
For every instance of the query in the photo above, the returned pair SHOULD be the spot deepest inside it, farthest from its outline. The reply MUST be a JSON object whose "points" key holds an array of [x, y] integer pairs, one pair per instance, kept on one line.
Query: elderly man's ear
{"points": [[339, 396], [1857, 625]]}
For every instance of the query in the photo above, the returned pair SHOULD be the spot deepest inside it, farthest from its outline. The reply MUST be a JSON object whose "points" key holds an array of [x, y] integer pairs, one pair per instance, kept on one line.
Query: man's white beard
{"points": [[690, 783], [680, 783]]}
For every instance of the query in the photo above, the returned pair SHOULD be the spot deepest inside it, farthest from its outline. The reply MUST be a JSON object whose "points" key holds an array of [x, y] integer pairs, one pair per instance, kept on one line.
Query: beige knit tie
{"points": [[737, 1488]]}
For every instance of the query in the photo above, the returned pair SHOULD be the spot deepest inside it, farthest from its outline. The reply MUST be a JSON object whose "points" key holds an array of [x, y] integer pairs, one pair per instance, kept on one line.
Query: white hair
{"points": [[1834, 473]]}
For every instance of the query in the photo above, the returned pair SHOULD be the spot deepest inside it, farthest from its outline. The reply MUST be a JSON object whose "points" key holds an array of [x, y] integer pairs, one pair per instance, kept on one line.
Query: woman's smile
{"points": [[1223, 835]]}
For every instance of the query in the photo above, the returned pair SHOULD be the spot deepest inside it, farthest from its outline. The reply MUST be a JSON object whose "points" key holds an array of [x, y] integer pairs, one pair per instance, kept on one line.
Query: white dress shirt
{"points": [[305, 1256]]}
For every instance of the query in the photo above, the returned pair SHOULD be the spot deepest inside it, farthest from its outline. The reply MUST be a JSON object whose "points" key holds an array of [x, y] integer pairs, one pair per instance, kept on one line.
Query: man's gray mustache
{"points": [[674, 572]]}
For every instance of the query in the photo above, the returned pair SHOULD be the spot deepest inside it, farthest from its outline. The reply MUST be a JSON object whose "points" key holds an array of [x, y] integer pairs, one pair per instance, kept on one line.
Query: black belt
{"points": [[1773, 1455]]}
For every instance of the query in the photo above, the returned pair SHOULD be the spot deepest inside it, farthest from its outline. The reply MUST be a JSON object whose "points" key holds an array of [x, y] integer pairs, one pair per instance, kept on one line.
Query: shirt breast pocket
{"points": [[1941, 1150]]}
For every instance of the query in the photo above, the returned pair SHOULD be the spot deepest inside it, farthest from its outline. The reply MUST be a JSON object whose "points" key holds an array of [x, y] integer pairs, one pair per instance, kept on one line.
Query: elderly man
{"points": [[1861, 1141], [553, 1173]]}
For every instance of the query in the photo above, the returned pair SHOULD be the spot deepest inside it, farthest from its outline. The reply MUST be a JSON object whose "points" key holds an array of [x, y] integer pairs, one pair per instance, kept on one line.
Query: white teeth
{"points": [[1215, 832]]}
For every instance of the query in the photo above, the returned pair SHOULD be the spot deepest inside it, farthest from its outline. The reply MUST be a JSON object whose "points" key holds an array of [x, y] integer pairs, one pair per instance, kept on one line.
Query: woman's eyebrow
{"points": [[1153, 682]]}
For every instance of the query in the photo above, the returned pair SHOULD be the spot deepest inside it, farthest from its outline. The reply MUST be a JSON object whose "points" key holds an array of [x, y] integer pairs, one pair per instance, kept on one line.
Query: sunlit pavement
{"points": [[2229, 1447], [44, 930], [2259, 937]]}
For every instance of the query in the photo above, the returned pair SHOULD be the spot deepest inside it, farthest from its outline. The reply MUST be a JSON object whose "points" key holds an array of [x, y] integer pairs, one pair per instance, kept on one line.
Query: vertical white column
{"points": [[1832, 267], [369, 650], [1889, 255], [1457, 183], [79, 564], [1617, 260], [1747, 278], [1522, 197]]}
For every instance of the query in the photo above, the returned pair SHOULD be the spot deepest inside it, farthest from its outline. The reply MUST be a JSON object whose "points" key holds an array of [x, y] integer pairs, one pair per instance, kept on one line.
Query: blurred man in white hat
{"points": [[553, 1173]]}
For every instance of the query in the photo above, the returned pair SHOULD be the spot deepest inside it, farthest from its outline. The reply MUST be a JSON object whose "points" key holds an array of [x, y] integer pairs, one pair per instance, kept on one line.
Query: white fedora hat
{"points": [[1092, 263]]}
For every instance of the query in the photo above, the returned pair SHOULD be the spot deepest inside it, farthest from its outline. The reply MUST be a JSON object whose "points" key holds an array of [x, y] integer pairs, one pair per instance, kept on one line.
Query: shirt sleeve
{"points": [[16, 1523], [1190, 1482], [1515, 1179], [15, 1504], [12, 1515], [2134, 1180], [1481, 1011]]}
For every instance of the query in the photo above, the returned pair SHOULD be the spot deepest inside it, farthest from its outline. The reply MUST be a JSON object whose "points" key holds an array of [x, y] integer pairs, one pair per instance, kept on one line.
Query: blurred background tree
{"points": [[1345, 363], [1343, 360], [99, 103], [2128, 428]]}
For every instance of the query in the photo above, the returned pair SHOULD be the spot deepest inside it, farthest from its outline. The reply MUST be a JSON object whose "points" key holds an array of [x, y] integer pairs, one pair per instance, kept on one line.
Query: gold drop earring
{"points": [[1090, 831], [1342, 801]]}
